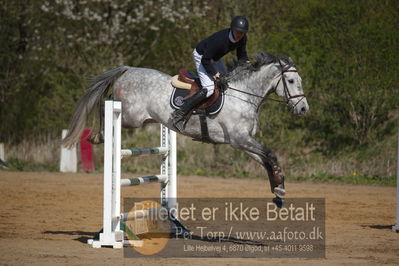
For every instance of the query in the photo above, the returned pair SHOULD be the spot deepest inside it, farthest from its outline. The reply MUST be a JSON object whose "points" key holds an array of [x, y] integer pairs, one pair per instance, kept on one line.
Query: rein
{"points": [[248, 93], [287, 93]]}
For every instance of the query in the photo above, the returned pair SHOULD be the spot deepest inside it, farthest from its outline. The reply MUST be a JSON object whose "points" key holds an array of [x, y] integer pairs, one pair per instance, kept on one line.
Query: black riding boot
{"points": [[179, 116]]}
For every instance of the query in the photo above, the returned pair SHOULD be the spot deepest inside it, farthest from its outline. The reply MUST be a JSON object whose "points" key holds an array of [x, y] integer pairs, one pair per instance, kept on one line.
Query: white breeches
{"points": [[206, 80]]}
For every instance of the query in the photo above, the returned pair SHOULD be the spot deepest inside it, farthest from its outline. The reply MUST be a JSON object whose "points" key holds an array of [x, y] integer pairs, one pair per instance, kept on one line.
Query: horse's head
{"points": [[273, 74], [288, 85]]}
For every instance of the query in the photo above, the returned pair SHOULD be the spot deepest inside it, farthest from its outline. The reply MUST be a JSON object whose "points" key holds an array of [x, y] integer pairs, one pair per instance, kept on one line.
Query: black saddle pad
{"points": [[178, 95]]}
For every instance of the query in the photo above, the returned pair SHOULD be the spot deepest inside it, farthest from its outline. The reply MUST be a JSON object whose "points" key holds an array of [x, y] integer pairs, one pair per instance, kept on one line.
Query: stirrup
{"points": [[97, 138], [179, 125], [177, 115], [178, 120]]}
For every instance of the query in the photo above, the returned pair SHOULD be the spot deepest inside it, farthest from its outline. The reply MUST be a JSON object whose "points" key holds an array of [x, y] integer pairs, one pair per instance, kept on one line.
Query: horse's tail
{"points": [[92, 100]]}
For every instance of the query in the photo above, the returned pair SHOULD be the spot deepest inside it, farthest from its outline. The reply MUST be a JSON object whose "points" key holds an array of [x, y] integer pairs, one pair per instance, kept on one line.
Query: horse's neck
{"points": [[258, 83]]}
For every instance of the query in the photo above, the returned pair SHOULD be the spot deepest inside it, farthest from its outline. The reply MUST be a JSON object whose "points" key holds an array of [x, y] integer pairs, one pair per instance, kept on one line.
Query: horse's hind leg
{"points": [[98, 137]]}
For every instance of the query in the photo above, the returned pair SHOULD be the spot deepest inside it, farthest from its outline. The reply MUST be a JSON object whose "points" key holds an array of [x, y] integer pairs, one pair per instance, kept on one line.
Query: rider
{"points": [[207, 58]]}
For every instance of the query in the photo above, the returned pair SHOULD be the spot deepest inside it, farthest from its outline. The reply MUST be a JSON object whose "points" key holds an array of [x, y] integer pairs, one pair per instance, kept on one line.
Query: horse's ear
{"points": [[290, 61], [255, 64]]}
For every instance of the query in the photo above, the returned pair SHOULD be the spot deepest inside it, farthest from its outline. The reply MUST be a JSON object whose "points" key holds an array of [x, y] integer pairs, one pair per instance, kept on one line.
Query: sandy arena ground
{"points": [[46, 219]]}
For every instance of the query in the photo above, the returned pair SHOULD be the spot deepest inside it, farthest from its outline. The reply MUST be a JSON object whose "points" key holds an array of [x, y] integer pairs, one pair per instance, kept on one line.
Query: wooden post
{"points": [[396, 226], [2, 155], [69, 160]]}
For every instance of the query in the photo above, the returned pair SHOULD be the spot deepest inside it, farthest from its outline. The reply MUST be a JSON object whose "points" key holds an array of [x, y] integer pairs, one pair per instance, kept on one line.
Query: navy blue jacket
{"points": [[216, 46]]}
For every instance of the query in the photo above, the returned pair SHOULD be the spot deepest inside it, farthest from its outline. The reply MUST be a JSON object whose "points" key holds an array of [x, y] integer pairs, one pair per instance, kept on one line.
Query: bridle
{"points": [[287, 93]]}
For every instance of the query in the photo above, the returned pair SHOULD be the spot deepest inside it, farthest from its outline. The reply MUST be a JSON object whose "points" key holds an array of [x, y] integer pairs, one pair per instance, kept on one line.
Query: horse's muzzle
{"points": [[301, 107]]}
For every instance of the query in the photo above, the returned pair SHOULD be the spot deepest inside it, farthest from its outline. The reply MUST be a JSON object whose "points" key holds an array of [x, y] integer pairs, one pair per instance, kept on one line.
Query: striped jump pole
{"points": [[144, 180], [145, 152], [113, 225]]}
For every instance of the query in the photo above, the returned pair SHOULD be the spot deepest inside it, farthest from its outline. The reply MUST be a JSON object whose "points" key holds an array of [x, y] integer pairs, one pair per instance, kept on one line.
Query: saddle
{"points": [[186, 84]]}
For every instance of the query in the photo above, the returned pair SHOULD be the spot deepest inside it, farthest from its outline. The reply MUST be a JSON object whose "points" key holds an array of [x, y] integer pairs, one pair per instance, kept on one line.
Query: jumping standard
{"points": [[113, 220], [145, 94]]}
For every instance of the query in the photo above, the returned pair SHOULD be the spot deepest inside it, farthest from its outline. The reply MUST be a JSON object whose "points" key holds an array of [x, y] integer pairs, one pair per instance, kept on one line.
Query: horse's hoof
{"points": [[96, 138], [279, 202], [279, 191]]}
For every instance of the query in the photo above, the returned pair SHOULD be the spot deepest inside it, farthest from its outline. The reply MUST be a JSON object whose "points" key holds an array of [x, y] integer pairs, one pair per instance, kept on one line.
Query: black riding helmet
{"points": [[239, 23]]}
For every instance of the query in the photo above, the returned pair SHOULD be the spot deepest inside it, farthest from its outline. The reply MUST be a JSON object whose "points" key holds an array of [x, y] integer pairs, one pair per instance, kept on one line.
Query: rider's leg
{"points": [[178, 116], [206, 80], [206, 91]]}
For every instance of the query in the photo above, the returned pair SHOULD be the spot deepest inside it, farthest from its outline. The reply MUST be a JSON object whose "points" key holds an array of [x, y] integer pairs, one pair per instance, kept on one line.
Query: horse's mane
{"points": [[240, 70]]}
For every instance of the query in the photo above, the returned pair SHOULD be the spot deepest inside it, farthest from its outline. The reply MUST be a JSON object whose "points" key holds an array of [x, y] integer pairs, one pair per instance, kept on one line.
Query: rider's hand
{"points": [[217, 75]]}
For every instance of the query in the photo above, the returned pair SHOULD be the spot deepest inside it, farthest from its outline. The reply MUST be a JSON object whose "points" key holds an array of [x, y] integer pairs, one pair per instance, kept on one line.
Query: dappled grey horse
{"points": [[145, 97]]}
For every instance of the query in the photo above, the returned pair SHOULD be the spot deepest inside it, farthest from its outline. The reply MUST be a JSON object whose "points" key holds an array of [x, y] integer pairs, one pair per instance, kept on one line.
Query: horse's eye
{"points": [[291, 81]]}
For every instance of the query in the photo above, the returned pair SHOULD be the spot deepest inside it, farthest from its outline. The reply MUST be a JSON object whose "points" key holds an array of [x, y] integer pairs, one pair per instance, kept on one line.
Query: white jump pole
{"points": [[396, 226]]}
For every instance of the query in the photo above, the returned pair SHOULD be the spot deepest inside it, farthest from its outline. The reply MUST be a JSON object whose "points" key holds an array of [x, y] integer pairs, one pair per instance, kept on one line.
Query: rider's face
{"points": [[238, 35]]}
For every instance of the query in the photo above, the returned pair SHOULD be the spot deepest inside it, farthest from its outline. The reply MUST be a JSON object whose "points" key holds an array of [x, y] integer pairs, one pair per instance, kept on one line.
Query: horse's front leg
{"points": [[268, 160], [274, 172]]}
